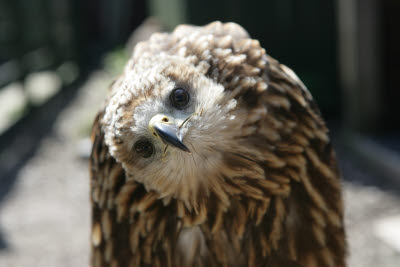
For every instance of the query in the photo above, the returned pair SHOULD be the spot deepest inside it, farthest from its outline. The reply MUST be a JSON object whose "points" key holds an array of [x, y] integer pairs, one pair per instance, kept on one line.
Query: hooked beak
{"points": [[167, 132]]}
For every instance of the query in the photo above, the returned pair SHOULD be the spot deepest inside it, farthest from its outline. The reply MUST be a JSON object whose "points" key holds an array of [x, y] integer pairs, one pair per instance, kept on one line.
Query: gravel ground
{"points": [[44, 218]]}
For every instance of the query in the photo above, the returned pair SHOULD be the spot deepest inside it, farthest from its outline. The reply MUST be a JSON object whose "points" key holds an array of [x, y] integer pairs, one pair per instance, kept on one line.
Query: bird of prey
{"points": [[209, 152]]}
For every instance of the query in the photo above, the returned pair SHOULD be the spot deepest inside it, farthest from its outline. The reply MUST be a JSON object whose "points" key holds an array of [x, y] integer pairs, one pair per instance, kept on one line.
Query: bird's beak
{"points": [[161, 126]]}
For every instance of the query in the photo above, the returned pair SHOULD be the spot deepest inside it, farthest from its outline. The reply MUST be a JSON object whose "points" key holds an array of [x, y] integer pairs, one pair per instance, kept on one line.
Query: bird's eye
{"points": [[144, 148], [179, 98]]}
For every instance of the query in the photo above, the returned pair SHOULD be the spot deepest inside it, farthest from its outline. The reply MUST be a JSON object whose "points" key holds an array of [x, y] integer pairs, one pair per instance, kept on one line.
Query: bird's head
{"points": [[170, 126]]}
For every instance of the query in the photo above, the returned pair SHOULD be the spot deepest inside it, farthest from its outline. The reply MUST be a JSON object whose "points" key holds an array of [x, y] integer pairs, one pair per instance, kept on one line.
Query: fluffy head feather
{"points": [[214, 130]]}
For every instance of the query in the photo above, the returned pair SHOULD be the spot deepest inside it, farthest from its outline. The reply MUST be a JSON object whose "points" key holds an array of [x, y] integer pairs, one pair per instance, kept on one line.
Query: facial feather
{"points": [[214, 123]]}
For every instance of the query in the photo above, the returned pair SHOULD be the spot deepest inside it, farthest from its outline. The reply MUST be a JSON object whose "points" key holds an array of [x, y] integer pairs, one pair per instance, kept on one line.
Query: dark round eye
{"points": [[179, 98], [144, 148]]}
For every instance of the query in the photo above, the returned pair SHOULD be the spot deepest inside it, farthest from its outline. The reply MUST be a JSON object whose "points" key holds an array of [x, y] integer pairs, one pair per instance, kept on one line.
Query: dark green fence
{"points": [[35, 35], [41, 34]]}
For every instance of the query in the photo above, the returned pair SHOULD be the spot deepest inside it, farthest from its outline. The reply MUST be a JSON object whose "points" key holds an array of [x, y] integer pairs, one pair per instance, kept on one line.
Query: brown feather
{"points": [[275, 201]]}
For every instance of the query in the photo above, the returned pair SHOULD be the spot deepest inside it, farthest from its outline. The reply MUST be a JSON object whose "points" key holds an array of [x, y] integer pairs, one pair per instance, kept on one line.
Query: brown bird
{"points": [[208, 152]]}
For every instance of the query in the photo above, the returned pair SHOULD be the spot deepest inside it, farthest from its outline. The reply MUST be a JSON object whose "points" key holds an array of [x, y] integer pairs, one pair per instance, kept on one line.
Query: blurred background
{"points": [[57, 58]]}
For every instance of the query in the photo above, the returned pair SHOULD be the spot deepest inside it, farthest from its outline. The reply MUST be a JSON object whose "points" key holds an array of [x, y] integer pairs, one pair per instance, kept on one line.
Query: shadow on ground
{"points": [[20, 142]]}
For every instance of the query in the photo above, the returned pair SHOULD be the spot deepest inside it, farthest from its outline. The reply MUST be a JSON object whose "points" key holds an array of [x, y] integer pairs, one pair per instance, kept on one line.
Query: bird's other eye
{"points": [[144, 148], [179, 98]]}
